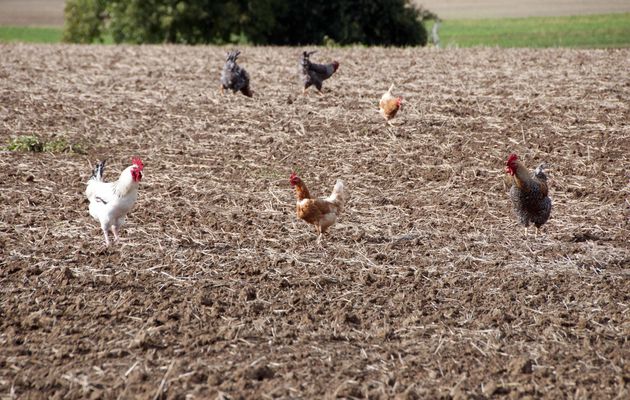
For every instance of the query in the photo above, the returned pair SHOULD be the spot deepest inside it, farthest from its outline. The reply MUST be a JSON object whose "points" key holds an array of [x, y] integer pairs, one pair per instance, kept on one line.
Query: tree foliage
{"points": [[278, 22], [371, 22], [83, 20]]}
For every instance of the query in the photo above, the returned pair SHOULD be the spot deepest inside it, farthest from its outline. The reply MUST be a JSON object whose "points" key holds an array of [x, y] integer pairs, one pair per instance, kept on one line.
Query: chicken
{"points": [[234, 76], [315, 74], [321, 212], [111, 201], [528, 192], [389, 105]]}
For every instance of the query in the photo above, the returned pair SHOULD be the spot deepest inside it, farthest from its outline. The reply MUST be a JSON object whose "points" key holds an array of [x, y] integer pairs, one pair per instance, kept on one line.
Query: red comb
{"points": [[293, 178], [513, 157], [510, 164], [137, 161]]}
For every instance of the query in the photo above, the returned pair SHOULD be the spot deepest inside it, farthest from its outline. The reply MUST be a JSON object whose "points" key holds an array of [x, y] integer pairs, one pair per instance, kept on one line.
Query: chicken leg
{"points": [[115, 232], [106, 237], [320, 239]]}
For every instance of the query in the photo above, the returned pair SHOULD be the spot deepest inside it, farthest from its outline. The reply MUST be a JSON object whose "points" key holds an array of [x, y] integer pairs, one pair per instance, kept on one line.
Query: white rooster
{"points": [[111, 201]]}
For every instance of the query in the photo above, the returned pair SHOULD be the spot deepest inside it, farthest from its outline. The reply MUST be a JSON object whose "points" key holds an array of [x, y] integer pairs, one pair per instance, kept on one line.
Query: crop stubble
{"points": [[426, 287]]}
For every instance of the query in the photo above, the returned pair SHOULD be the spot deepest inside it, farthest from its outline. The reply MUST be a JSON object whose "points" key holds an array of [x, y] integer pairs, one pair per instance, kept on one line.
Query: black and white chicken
{"points": [[234, 76], [315, 74]]}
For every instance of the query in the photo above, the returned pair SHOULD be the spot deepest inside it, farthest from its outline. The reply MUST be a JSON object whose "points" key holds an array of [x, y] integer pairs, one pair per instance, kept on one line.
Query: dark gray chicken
{"points": [[529, 193], [234, 76], [315, 74]]}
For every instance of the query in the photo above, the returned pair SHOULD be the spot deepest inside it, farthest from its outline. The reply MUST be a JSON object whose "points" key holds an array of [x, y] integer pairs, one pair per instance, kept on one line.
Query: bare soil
{"points": [[449, 9], [425, 288], [32, 12]]}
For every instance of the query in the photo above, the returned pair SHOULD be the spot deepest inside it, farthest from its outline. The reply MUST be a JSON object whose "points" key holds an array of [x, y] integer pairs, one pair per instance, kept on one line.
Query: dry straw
{"points": [[425, 287]]}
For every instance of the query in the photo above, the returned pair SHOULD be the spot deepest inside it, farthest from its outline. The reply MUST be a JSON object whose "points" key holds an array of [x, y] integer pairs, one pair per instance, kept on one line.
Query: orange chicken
{"points": [[389, 105], [321, 212]]}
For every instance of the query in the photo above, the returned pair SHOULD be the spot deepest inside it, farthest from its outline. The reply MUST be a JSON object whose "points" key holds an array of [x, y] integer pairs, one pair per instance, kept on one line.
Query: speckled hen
{"points": [[315, 74], [529, 193], [234, 76]]}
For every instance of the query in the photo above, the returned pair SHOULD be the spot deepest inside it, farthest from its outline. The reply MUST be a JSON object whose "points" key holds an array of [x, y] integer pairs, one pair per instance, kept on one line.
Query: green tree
{"points": [[371, 22], [258, 18], [172, 21], [83, 20], [280, 22]]}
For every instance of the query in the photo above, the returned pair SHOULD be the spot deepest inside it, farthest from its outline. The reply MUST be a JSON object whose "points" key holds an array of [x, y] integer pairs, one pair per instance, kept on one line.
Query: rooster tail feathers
{"points": [[539, 172], [338, 195], [247, 91], [97, 173], [305, 59], [233, 55]]}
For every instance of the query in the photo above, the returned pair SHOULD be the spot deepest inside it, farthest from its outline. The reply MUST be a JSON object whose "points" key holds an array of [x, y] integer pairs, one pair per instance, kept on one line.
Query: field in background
{"points": [[50, 12], [585, 31], [474, 9], [426, 287], [30, 34], [498, 25], [31, 12], [588, 31]]}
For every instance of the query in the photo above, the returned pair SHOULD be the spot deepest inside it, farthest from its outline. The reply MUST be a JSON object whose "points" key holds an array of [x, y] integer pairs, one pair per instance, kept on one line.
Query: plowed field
{"points": [[425, 288]]}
